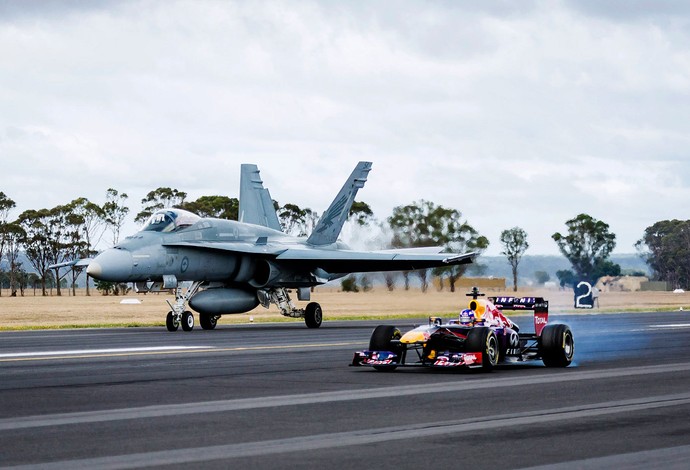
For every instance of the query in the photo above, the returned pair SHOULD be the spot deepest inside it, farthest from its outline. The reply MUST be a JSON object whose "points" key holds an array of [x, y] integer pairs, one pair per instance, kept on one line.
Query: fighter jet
{"points": [[233, 266]]}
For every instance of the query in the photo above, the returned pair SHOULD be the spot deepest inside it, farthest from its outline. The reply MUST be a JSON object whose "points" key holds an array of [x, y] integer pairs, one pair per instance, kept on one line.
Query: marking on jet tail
{"points": [[334, 213]]}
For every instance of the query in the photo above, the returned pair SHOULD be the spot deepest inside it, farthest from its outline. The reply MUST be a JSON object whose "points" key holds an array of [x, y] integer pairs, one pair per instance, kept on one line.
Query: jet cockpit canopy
{"points": [[170, 220]]}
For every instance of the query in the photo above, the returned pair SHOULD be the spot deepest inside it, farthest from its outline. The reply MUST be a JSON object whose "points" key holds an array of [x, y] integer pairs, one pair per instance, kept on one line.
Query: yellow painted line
{"points": [[179, 351]]}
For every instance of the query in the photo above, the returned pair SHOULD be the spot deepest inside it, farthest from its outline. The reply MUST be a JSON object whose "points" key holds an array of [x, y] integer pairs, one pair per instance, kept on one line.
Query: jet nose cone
{"points": [[112, 265]]}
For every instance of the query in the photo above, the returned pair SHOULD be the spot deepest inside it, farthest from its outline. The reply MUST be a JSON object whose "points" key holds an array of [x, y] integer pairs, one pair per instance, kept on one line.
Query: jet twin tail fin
{"points": [[256, 205], [330, 224]]}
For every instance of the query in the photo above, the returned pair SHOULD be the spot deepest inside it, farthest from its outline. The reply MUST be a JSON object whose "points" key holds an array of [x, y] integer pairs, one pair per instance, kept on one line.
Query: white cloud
{"points": [[516, 114]]}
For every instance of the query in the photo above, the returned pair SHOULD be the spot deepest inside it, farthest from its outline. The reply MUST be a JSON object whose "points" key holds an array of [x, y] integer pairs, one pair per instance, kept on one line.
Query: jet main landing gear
{"points": [[178, 316], [208, 321], [313, 315]]}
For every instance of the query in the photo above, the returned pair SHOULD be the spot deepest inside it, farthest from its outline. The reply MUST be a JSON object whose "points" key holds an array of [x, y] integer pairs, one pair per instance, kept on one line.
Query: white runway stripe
{"points": [[76, 352]]}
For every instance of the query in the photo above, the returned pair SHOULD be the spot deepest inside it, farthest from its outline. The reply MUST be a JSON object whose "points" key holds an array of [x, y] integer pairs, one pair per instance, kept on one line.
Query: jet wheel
{"points": [[187, 321], [171, 322], [313, 315], [207, 321]]}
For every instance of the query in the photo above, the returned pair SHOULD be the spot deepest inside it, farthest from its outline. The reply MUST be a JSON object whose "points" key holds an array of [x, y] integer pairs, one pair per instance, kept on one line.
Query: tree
{"points": [[515, 244], [89, 219], [50, 236], [566, 278], [587, 244], [423, 224], [542, 277], [6, 205], [87, 222], [366, 283], [294, 220], [349, 284], [160, 198], [220, 207], [65, 240], [389, 278], [606, 268], [114, 212], [665, 247], [36, 241], [25, 280], [360, 213], [12, 234]]}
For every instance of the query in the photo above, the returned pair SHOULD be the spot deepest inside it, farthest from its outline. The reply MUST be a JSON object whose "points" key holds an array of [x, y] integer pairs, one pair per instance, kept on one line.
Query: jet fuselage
{"points": [[151, 255]]}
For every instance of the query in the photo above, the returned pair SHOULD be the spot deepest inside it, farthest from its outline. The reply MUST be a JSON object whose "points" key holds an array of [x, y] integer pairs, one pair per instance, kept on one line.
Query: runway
{"points": [[282, 395]]}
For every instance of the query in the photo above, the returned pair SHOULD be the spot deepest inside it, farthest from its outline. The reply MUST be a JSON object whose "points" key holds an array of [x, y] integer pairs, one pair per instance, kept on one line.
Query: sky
{"points": [[514, 113]]}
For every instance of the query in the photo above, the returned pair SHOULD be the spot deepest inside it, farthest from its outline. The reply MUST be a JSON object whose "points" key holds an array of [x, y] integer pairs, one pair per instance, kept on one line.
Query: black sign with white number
{"points": [[583, 295]]}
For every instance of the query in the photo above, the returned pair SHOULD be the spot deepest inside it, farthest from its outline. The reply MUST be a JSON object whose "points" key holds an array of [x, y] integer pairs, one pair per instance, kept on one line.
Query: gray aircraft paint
{"points": [[242, 263]]}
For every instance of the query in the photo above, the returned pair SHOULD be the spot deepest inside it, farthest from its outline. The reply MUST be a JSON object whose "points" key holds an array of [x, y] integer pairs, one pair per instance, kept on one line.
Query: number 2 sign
{"points": [[583, 295]]}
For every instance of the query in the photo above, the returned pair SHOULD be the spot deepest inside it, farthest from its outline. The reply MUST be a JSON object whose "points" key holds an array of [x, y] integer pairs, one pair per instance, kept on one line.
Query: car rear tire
{"points": [[483, 339], [556, 345], [381, 340]]}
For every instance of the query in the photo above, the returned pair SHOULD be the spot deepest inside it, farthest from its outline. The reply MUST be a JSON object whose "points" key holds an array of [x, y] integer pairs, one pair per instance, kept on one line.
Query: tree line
{"points": [[73, 231]]}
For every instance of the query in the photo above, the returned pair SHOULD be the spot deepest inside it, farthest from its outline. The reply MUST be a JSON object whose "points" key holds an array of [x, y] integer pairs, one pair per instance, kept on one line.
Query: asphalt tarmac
{"points": [[283, 396]]}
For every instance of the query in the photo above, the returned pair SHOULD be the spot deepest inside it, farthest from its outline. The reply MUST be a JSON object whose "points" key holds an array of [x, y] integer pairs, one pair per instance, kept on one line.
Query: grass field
{"points": [[98, 310]]}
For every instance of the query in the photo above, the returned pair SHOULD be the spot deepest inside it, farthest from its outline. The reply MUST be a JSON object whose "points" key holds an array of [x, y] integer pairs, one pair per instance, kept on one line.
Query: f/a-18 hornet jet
{"points": [[233, 266]]}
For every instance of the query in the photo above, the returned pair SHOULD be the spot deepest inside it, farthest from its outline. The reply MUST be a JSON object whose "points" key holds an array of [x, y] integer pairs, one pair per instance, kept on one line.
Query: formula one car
{"points": [[481, 337]]}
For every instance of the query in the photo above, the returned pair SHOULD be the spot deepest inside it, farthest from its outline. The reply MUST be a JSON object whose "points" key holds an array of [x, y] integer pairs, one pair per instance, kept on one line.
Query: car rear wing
{"points": [[538, 305]]}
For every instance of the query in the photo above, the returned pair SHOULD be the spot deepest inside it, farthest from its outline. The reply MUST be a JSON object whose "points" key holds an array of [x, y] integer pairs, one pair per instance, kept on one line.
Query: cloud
{"points": [[515, 113]]}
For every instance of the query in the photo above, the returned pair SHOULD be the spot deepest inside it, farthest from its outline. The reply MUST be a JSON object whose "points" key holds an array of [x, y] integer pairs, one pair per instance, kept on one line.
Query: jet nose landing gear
{"points": [[187, 321], [172, 322], [178, 316]]}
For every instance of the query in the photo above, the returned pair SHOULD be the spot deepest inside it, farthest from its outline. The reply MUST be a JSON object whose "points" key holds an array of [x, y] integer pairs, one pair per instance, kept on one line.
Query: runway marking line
{"points": [[98, 351], [223, 406], [195, 455], [672, 325], [154, 351]]}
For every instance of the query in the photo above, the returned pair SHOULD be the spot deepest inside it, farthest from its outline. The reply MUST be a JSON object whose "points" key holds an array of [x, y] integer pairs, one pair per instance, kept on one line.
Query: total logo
{"points": [[540, 321]]}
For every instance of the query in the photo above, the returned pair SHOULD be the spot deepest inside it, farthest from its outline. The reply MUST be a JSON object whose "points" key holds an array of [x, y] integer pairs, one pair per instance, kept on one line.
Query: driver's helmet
{"points": [[467, 317]]}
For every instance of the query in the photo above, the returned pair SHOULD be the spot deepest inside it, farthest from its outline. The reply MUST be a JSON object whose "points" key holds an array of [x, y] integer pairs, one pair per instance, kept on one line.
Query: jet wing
{"points": [[348, 261], [235, 247], [338, 261]]}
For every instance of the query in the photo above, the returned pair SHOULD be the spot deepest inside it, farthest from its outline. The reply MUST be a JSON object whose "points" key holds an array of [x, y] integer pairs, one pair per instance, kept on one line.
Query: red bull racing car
{"points": [[481, 337]]}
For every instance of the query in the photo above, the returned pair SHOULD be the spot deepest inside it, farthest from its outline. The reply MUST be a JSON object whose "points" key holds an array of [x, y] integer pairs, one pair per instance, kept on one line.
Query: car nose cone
{"points": [[114, 265]]}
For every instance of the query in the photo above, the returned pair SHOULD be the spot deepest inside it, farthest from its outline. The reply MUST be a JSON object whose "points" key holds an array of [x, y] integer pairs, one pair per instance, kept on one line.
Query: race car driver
{"points": [[485, 316]]}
